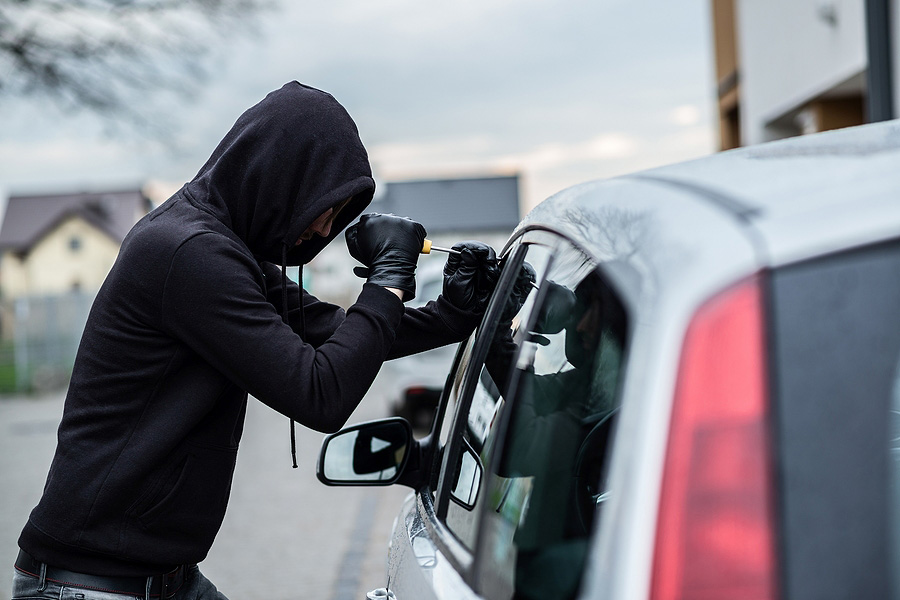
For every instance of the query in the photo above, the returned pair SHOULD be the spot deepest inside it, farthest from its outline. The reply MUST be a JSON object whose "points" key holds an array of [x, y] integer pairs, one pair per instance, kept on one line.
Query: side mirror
{"points": [[373, 453]]}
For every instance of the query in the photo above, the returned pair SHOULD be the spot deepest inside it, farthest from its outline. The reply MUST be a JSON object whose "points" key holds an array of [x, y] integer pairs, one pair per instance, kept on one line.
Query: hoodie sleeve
{"points": [[214, 302], [322, 318], [436, 324]]}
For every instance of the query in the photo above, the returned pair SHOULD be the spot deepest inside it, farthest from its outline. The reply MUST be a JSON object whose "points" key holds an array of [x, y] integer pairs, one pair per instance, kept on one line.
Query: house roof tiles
{"points": [[29, 218]]}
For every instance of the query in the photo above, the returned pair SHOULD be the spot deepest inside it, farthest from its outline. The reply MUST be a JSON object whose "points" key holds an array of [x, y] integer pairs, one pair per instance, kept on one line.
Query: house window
{"points": [[75, 243]]}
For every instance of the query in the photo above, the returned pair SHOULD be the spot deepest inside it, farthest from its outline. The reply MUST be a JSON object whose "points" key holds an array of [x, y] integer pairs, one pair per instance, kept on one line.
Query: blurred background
{"points": [[472, 112]]}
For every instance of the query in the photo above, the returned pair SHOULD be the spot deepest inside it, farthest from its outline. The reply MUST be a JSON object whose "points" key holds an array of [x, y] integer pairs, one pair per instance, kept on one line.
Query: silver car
{"points": [[687, 385]]}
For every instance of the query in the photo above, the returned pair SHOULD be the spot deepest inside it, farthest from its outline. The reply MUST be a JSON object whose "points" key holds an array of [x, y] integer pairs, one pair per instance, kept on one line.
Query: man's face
{"points": [[322, 225]]}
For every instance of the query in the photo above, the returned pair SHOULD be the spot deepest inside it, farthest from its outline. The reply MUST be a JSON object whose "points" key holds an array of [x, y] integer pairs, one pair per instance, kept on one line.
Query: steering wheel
{"points": [[590, 490]]}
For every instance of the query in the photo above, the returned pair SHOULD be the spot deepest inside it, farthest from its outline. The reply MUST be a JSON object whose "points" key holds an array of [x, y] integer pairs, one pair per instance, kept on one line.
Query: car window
{"points": [[448, 409], [835, 338], [446, 424], [477, 413], [543, 483]]}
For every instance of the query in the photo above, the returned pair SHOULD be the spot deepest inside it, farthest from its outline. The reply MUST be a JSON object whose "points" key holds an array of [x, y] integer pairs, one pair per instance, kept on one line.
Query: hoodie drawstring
{"points": [[286, 319]]}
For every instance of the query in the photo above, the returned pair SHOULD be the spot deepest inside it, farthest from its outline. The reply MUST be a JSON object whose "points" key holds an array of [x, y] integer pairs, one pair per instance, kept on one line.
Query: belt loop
{"points": [[148, 587], [42, 581]]}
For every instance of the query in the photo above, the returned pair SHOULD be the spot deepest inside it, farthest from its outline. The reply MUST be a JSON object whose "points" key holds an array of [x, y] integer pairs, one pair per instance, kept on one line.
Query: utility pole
{"points": [[880, 93]]}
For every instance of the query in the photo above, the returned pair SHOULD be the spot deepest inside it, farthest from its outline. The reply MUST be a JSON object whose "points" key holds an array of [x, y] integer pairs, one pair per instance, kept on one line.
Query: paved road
{"points": [[285, 536]]}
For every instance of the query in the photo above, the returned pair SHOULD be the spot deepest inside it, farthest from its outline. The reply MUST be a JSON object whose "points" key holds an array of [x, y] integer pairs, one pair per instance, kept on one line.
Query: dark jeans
{"points": [[26, 587]]}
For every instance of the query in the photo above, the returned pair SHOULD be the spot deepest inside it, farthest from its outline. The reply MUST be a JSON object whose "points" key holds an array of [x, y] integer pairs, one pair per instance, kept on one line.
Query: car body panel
{"points": [[854, 215], [806, 195], [668, 240], [418, 567], [664, 273]]}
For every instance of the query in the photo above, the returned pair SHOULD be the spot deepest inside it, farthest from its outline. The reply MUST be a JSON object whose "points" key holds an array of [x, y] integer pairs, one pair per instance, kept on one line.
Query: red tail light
{"points": [[715, 536]]}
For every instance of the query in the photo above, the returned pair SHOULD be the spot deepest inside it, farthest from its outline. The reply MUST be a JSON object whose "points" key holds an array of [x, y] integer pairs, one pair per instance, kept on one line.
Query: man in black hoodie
{"points": [[194, 315]]}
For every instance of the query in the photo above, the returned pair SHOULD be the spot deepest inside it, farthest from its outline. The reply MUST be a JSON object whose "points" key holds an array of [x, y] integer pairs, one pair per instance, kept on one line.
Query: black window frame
{"points": [[467, 367], [483, 337], [435, 495], [482, 549]]}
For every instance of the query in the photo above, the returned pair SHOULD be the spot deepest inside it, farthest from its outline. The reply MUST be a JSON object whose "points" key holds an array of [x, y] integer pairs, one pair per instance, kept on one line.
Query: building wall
{"points": [[74, 255], [727, 63], [489, 203], [794, 56]]}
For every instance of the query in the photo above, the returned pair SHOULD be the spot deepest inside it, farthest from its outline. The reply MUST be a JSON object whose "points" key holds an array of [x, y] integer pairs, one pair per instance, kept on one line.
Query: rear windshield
{"points": [[835, 335]]}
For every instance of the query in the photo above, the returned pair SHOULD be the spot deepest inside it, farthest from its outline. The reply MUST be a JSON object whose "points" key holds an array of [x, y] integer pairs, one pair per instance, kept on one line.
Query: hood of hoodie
{"points": [[284, 162]]}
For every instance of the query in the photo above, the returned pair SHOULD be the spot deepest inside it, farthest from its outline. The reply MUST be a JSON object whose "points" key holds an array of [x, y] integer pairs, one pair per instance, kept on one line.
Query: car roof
{"points": [[796, 174], [794, 198]]}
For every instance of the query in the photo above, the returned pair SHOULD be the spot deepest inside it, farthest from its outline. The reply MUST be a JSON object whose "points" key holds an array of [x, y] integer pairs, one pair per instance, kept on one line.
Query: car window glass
{"points": [[894, 469], [453, 392], [487, 399], [446, 417], [544, 486], [835, 346]]}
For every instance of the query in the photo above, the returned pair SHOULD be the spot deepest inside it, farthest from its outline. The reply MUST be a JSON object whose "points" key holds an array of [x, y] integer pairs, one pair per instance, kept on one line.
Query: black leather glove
{"points": [[389, 246], [470, 276]]}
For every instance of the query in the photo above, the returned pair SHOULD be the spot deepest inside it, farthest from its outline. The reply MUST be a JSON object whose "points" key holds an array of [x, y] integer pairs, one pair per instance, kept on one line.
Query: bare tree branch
{"points": [[111, 57]]}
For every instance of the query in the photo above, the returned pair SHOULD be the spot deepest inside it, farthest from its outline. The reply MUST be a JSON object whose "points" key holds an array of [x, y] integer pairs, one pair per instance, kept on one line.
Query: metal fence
{"points": [[40, 336]]}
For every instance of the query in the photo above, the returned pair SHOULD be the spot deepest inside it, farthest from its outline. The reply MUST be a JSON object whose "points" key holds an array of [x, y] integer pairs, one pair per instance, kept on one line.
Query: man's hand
{"points": [[389, 246], [470, 276]]}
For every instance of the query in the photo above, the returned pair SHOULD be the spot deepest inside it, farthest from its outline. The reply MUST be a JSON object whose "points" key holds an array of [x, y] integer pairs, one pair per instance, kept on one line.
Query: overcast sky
{"points": [[559, 91]]}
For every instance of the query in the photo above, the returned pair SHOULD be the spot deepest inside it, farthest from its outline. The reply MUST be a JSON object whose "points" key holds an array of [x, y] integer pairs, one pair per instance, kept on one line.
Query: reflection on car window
{"points": [[544, 489], [453, 393], [835, 346], [894, 461], [487, 401]]}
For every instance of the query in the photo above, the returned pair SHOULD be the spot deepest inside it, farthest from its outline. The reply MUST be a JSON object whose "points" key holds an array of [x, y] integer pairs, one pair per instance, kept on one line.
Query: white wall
{"points": [[790, 53]]}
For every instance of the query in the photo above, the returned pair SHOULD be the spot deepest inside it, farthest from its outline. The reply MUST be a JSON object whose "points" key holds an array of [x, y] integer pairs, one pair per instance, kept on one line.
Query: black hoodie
{"points": [[189, 320]]}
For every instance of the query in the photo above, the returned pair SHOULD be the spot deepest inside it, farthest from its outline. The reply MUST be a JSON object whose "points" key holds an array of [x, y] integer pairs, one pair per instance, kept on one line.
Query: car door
{"points": [[508, 480], [528, 421], [432, 548]]}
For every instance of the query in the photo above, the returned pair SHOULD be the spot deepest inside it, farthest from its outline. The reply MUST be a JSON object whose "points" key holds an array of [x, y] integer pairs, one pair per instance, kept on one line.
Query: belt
{"points": [[157, 586]]}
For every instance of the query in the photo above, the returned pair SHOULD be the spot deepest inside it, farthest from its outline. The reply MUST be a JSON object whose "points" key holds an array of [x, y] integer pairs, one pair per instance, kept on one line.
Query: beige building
{"points": [[54, 244]]}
